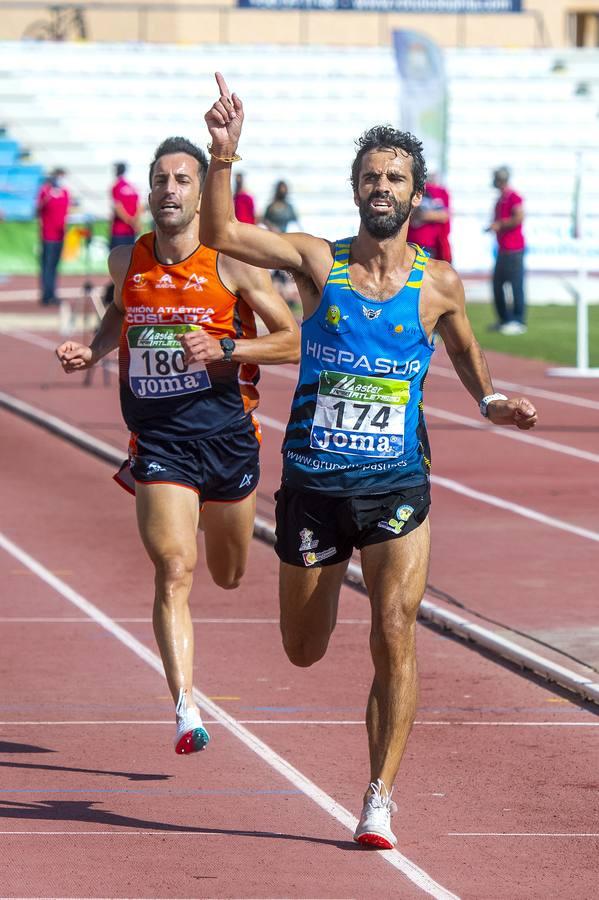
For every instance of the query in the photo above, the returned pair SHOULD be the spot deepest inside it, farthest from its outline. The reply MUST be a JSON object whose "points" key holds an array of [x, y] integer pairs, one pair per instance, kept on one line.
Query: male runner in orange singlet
{"points": [[183, 318]]}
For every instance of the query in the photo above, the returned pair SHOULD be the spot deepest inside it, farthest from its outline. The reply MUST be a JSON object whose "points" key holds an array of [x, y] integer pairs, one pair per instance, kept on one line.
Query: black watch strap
{"points": [[228, 348]]}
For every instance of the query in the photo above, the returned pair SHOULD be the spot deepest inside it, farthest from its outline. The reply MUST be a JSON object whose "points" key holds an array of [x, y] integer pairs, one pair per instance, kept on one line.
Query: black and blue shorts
{"points": [[223, 467], [316, 529]]}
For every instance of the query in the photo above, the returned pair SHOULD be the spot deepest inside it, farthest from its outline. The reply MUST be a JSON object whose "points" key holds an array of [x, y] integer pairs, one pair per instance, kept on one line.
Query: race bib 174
{"points": [[157, 366], [360, 415]]}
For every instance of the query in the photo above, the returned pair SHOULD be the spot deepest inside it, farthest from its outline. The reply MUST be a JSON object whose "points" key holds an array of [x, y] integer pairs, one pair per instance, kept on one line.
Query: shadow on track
{"points": [[12, 747], [81, 811]]}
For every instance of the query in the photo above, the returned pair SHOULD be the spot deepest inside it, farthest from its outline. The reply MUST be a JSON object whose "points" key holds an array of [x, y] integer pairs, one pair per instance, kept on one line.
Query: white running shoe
{"points": [[513, 328], [191, 735], [374, 827]]}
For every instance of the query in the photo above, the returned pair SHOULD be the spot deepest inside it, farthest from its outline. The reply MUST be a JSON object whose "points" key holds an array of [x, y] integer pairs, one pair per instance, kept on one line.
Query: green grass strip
{"points": [[551, 334]]}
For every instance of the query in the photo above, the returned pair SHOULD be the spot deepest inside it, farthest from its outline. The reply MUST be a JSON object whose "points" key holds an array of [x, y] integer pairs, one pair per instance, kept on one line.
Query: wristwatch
{"points": [[228, 347], [484, 403]]}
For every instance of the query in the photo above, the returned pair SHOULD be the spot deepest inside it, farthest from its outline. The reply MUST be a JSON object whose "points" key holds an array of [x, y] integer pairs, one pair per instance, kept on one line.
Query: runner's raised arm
{"points": [[218, 226]]}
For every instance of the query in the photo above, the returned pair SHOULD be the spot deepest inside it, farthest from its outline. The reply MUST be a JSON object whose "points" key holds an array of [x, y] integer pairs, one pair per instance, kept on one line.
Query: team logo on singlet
{"points": [[138, 282], [195, 282], [371, 313]]}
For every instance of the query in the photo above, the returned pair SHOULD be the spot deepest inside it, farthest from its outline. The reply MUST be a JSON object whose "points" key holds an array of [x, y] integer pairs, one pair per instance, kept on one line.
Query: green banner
{"points": [[20, 249]]}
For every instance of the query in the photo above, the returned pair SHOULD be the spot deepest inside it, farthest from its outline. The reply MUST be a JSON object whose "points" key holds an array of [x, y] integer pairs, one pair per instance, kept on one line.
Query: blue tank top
{"points": [[357, 422]]}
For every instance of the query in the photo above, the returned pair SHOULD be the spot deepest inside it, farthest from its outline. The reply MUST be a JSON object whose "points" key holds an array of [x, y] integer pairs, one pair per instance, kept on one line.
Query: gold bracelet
{"points": [[226, 159]]}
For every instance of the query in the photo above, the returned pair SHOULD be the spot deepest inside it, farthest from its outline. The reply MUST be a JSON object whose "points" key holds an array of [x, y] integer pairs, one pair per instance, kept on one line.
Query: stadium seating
{"points": [[85, 106], [19, 182]]}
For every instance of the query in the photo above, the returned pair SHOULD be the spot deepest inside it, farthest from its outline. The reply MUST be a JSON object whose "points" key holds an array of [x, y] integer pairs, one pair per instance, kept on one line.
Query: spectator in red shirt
{"points": [[125, 209], [509, 264], [429, 223], [245, 209], [52, 207]]}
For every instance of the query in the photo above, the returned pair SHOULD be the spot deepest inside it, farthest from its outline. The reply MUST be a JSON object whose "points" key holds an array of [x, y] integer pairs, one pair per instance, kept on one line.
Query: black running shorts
{"points": [[319, 530], [224, 467]]}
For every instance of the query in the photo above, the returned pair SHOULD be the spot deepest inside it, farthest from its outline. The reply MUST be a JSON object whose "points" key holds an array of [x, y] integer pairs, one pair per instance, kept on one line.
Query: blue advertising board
{"points": [[405, 6]]}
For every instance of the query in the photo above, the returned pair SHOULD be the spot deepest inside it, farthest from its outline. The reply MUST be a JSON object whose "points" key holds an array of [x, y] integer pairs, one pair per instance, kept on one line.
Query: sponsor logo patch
{"points": [[396, 524], [312, 558], [371, 313], [246, 481], [166, 282], [195, 282], [307, 543], [153, 468]]}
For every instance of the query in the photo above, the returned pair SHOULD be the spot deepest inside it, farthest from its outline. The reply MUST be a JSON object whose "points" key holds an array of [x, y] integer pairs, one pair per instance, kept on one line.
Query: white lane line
{"points": [[32, 294], [544, 834], [446, 372], [301, 722], [124, 833], [147, 621], [554, 396], [514, 435], [480, 425], [451, 485], [581, 684], [400, 862], [29, 338], [525, 511]]}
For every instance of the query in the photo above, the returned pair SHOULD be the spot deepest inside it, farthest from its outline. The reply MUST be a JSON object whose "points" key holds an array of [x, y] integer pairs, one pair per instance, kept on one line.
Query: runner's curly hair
{"points": [[181, 145], [385, 137]]}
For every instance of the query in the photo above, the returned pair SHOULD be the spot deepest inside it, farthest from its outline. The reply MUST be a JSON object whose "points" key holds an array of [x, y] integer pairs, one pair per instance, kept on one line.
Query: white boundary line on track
{"points": [[518, 509], [29, 294], [414, 873], [543, 834], [524, 438], [147, 621], [431, 411], [458, 488], [479, 425], [555, 397], [444, 372], [291, 375], [304, 722], [581, 684]]}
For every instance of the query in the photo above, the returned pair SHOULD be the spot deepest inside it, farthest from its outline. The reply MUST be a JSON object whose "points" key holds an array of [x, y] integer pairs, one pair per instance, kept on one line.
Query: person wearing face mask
{"points": [[280, 213], [183, 319], [52, 208], [356, 458]]}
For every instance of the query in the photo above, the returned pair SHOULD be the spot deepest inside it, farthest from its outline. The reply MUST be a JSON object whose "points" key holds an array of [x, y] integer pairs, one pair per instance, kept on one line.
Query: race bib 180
{"points": [[359, 415], [157, 366]]}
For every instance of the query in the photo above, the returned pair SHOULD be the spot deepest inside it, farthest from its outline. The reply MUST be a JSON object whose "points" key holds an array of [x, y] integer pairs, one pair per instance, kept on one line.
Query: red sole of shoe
{"points": [[375, 840], [192, 742]]}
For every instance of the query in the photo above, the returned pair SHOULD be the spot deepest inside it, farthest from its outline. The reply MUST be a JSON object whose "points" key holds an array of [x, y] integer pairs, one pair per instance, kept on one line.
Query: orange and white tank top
{"points": [[162, 396]]}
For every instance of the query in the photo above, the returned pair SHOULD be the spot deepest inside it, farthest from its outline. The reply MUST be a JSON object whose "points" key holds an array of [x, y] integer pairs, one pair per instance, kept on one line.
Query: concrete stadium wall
{"points": [[545, 22]]}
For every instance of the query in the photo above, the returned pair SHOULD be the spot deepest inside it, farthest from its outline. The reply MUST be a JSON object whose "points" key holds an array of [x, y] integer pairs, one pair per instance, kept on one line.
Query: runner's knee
{"points": [[228, 578], [392, 633], [303, 652], [173, 573]]}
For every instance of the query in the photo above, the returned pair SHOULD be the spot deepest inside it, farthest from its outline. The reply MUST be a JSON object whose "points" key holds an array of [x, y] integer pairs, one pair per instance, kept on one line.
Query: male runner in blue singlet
{"points": [[355, 456]]}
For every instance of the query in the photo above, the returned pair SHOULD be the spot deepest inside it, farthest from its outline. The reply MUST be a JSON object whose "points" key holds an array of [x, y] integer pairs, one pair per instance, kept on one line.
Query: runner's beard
{"points": [[388, 226]]}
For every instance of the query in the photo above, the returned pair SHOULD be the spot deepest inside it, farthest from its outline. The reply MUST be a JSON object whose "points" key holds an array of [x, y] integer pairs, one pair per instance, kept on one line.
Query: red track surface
{"points": [[498, 789]]}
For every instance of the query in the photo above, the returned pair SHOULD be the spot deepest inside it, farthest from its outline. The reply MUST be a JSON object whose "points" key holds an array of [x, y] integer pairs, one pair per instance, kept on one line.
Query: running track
{"points": [[498, 792]]}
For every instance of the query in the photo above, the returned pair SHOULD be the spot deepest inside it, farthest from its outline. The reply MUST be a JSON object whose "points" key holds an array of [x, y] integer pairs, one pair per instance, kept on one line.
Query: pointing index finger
{"points": [[222, 86]]}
